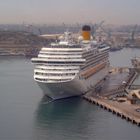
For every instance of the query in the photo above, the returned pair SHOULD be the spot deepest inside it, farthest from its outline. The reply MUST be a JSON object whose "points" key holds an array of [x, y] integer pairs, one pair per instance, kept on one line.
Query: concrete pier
{"points": [[114, 95], [123, 110]]}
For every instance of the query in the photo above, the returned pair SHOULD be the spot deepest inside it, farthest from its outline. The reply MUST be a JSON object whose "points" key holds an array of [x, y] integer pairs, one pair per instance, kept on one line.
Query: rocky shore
{"points": [[20, 43]]}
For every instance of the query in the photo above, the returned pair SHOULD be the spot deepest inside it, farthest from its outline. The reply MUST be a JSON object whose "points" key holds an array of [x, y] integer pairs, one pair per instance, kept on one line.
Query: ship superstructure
{"points": [[67, 68]]}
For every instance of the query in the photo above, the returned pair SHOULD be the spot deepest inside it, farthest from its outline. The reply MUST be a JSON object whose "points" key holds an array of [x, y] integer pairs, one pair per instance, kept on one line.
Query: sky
{"points": [[69, 11]]}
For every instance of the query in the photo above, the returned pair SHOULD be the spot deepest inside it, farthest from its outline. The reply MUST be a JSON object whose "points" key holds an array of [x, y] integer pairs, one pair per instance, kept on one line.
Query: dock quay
{"points": [[125, 111], [116, 95]]}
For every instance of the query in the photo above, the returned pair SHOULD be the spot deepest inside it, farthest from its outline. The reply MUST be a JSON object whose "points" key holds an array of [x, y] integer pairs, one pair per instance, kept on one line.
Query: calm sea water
{"points": [[26, 115]]}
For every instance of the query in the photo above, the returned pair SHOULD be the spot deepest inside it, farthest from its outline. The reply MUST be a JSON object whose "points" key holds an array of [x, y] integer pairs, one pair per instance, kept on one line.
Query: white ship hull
{"points": [[75, 87]]}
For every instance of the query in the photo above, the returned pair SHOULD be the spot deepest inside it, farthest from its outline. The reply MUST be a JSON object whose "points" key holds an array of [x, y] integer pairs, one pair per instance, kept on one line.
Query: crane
{"points": [[133, 33], [95, 27]]}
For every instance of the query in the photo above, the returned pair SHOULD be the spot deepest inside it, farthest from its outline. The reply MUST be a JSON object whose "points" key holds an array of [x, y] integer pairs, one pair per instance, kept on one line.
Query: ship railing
{"points": [[52, 80]]}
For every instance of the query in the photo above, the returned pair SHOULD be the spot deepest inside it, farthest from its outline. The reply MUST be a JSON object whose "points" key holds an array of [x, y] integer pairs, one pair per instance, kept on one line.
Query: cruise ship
{"points": [[71, 68]]}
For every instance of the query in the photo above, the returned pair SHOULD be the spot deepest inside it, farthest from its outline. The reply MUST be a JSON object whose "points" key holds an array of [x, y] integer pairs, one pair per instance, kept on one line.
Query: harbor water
{"points": [[26, 115]]}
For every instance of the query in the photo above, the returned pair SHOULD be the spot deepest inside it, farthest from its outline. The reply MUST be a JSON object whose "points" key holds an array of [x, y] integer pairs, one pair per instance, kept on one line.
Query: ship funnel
{"points": [[86, 32]]}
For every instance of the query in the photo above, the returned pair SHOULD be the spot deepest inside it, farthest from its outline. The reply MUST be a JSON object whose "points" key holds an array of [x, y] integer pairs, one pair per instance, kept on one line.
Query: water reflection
{"points": [[68, 118], [56, 110]]}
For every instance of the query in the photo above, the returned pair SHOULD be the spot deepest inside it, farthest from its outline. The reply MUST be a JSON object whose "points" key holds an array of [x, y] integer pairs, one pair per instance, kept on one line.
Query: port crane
{"points": [[133, 33], [131, 40], [95, 27]]}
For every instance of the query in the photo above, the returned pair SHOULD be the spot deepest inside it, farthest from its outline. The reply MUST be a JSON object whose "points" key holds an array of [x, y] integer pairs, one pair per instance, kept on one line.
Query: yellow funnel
{"points": [[86, 32]]}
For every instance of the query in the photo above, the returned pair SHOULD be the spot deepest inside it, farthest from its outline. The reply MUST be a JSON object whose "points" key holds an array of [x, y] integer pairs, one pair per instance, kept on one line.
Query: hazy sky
{"points": [[70, 11]]}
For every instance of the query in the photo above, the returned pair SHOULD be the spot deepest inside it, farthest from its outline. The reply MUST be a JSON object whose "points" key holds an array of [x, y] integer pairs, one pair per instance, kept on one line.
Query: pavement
{"points": [[113, 81]]}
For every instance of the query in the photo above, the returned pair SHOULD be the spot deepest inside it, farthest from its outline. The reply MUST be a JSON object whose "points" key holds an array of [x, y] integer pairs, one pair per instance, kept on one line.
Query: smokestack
{"points": [[86, 32]]}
